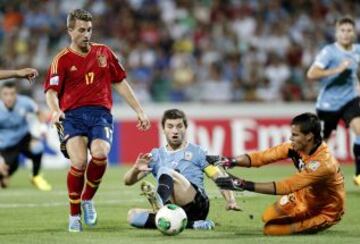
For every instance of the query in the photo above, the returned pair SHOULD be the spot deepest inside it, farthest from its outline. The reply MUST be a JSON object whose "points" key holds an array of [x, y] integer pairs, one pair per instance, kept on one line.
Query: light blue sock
{"points": [[138, 220]]}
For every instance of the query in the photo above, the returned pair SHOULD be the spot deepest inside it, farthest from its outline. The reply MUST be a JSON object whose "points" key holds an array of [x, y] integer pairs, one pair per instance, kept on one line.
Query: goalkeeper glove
{"points": [[234, 183], [225, 162]]}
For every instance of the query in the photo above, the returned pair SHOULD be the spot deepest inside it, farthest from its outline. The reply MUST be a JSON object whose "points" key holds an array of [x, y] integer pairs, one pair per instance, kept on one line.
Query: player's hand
{"points": [[225, 162], [27, 73], [230, 183], [213, 159], [3, 167], [57, 116], [143, 122], [228, 163], [232, 206], [344, 65], [142, 162]]}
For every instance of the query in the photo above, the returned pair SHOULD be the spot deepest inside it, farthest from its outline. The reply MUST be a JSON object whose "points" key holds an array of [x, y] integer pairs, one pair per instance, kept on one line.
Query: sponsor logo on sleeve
{"points": [[54, 81]]}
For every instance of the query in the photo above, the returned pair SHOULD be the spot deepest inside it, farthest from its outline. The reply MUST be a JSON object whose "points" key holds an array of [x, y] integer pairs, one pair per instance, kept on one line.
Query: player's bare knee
{"points": [[100, 148], [78, 161], [80, 165], [99, 156]]}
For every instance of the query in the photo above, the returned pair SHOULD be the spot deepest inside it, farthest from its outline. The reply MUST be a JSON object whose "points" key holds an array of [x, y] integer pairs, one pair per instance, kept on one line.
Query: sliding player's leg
{"points": [[193, 200], [306, 224], [141, 218]]}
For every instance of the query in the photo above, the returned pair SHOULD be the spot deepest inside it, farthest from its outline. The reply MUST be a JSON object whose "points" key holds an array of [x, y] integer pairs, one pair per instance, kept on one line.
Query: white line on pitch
{"points": [[31, 192], [57, 204]]}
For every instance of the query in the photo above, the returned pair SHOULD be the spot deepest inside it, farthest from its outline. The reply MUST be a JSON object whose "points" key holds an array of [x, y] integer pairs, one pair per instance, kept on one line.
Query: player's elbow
{"points": [[128, 181], [311, 74], [50, 92]]}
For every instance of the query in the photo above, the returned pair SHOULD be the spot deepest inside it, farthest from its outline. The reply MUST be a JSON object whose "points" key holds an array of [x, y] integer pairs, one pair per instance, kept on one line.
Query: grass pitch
{"points": [[30, 216]]}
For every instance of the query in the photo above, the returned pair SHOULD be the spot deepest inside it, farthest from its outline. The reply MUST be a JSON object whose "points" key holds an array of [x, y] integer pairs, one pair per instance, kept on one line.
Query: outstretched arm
{"points": [[237, 184], [253, 159], [27, 73], [139, 170], [214, 173], [125, 90], [314, 173], [228, 162]]}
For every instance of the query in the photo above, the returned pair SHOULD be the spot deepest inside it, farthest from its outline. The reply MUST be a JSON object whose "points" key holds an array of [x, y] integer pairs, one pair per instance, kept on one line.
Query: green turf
{"points": [[30, 216]]}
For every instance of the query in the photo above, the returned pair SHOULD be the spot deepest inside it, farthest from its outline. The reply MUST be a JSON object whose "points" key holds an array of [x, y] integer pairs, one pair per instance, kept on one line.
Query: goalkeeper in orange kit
{"points": [[313, 198]]}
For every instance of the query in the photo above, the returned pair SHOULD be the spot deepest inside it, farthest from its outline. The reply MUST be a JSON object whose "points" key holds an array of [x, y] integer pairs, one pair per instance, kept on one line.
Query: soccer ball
{"points": [[171, 219]]}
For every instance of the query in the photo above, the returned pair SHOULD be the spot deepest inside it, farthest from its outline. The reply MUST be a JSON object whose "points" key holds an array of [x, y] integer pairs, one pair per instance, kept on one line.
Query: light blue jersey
{"points": [[13, 123], [339, 89], [189, 161]]}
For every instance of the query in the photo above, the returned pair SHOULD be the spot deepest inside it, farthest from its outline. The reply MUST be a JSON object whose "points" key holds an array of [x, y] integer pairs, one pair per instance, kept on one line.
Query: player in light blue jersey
{"points": [[15, 138], [179, 169], [28, 73], [336, 67]]}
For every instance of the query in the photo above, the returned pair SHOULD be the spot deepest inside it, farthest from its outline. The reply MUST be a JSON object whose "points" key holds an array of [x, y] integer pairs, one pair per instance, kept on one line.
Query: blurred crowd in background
{"points": [[182, 50]]}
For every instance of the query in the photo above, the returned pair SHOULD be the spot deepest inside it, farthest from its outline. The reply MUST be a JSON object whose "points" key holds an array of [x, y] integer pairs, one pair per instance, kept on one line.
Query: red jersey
{"points": [[84, 79]]}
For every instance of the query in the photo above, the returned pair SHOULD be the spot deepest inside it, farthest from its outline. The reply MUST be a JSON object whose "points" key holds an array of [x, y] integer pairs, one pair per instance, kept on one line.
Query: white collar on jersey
{"points": [[168, 151], [344, 50]]}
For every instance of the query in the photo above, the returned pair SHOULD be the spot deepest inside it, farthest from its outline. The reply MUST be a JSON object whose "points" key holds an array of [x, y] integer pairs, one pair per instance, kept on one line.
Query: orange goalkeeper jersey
{"points": [[318, 182]]}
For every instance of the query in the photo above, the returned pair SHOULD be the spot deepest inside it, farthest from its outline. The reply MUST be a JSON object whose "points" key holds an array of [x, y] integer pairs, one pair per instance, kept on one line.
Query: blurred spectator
{"points": [[252, 50], [215, 88]]}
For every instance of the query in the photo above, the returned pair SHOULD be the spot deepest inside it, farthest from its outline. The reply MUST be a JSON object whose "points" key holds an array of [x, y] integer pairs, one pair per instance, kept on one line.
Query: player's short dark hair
{"points": [[174, 114], [77, 14], [309, 123], [8, 84], [345, 20]]}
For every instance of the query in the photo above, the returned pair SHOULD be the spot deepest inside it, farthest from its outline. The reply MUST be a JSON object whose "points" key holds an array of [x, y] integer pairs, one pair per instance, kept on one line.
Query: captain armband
{"points": [[212, 170]]}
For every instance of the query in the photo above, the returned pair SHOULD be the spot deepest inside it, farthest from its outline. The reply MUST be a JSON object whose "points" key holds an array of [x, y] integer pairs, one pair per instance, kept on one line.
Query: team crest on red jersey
{"points": [[102, 62]]}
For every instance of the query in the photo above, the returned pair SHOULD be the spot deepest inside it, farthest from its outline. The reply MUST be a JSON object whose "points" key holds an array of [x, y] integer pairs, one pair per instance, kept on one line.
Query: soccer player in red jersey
{"points": [[78, 92]]}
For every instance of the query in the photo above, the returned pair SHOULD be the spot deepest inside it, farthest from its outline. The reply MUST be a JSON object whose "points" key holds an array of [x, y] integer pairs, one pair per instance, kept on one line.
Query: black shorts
{"points": [[11, 154], [330, 119], [198, 209]]}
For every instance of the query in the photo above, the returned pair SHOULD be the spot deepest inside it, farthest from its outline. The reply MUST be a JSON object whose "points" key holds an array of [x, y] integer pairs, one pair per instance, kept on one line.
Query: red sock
{"points": [[94, 174], [75, 184]]}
